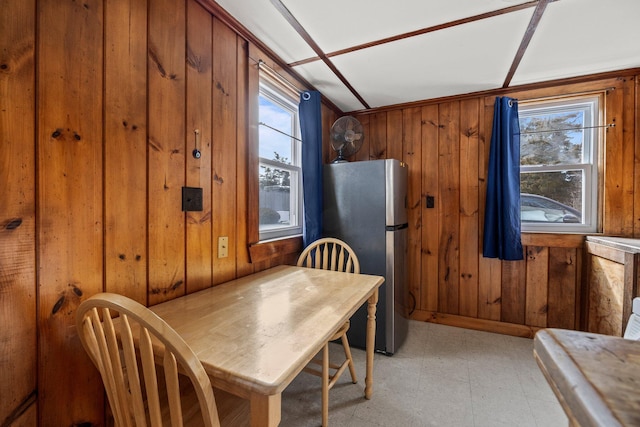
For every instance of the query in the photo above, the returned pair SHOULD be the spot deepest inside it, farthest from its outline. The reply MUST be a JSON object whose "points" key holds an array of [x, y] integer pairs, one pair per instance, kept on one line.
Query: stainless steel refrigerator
{"points": [[365, 205]]}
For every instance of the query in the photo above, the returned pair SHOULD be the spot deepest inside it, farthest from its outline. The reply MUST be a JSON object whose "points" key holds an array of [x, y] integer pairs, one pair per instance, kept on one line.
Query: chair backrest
{"points": [[125, 350], [330, 254]]}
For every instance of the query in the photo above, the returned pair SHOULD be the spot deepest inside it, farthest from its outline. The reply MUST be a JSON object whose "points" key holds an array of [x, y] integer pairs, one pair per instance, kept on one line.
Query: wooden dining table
{"points": [[254, 334]]}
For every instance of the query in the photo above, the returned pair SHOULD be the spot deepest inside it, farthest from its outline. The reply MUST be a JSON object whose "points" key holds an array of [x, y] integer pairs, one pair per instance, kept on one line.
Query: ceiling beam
{"points": [[313, 45], [528, 34]]}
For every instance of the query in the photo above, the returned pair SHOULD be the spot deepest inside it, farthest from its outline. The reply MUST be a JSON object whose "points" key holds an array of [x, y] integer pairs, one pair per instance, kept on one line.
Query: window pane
{"points": [[279, 169], [275, 198], [551, 139], [551, 196], [275, 142], [559, 144]]}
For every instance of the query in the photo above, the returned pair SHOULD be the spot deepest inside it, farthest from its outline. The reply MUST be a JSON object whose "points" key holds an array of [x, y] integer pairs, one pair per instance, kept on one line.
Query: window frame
{"points": [[590, 166], [286, 98]]}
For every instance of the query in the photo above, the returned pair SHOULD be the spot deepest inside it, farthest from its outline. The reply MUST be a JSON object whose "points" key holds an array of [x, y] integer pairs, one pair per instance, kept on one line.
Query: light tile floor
{"points": [[441, 376]]}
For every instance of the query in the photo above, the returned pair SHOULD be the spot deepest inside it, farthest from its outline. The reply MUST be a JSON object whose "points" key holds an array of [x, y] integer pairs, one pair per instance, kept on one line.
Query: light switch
{"points": [[223, 247]]}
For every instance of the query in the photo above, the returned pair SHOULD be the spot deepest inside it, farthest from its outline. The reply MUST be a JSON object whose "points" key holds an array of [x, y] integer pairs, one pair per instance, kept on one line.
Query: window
{"points": [[559, 142], [280, 159]]}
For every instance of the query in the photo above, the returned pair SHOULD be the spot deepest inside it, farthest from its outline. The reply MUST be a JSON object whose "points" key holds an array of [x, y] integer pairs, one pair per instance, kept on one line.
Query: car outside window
{"points": [[280, 171], [559, 142]]}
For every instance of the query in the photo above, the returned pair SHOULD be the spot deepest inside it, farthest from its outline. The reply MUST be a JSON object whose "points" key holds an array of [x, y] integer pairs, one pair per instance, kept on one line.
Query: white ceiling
{"points": [[571, 38]]}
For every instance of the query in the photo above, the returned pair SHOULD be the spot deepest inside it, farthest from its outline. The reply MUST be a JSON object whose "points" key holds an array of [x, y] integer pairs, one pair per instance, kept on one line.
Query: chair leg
{"points": [[325, 385], [347, 353]]}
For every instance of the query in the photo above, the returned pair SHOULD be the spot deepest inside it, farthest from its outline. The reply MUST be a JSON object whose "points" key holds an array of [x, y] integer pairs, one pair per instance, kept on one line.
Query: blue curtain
{"points": [[310, 110], [502, 212]]}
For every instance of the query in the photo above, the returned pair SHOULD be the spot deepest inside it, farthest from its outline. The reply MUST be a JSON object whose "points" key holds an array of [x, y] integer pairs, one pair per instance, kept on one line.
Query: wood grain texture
{"points": [[243, 261], [328, 118], [266, 356], [629, 123], [553, 240], [427, 298], [490, 289], [199, 245], [69, 206], [261, 252], [618, 165], [516, 293], [73, 199], [378, 136], [125, 150], [77, 130], [469, 209], [412, 155], [606, 286], [494, 326], [563, 287], [449, 208], [594, 376], [276, 313], [166, 149], [396, 135], [612, 275], [18, 356], [536, 292], [512, 304], [223, 169]]}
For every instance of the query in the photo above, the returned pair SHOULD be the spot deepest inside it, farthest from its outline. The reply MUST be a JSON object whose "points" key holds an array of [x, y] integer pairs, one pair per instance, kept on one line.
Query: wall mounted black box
{"points": [[191, 199]]}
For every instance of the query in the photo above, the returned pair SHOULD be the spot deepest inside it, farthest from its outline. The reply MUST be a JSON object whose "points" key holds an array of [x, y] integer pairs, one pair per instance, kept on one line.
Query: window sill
{"points": [[264, 251], [569, 240]]}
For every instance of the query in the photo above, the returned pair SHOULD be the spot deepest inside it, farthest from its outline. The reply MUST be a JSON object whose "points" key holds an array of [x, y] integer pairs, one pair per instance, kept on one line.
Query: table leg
{"points": [[371, 342], [325, 385], [265, 410]]}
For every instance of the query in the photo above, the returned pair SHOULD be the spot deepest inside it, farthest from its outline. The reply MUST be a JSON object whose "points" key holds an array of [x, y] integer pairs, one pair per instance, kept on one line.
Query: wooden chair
{"points": [[331, 254], [125, 349]]}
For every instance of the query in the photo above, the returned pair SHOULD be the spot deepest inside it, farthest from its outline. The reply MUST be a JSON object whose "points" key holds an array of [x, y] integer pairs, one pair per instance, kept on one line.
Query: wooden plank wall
{"points": [[100, 102], [446, 146], [18, 333]]}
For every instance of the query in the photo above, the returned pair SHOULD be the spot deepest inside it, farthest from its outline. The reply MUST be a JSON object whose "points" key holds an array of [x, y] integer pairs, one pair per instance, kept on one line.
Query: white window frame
{"points": [[593, 105], [281, 95]]}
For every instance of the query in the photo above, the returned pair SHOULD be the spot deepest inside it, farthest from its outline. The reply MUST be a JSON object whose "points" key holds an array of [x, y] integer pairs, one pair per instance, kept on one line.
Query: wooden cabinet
{"points": [[612, 274]]}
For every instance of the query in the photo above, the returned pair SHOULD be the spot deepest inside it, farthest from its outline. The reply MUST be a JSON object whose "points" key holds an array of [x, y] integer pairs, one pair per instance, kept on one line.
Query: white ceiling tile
{"points": [[458, 60], [323, 79], [268, 25], [574, 37], [338, 24], [579, 37]]}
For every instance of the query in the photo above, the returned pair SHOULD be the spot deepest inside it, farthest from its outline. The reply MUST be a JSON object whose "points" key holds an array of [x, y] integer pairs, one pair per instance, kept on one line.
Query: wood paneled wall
{"points": [[18, 333], [446, 146], [101, 102]]}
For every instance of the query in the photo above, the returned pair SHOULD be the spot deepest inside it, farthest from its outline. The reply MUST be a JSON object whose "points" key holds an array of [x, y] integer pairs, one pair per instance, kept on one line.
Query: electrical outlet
{"points": [[223, 247], [431, 202]]}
